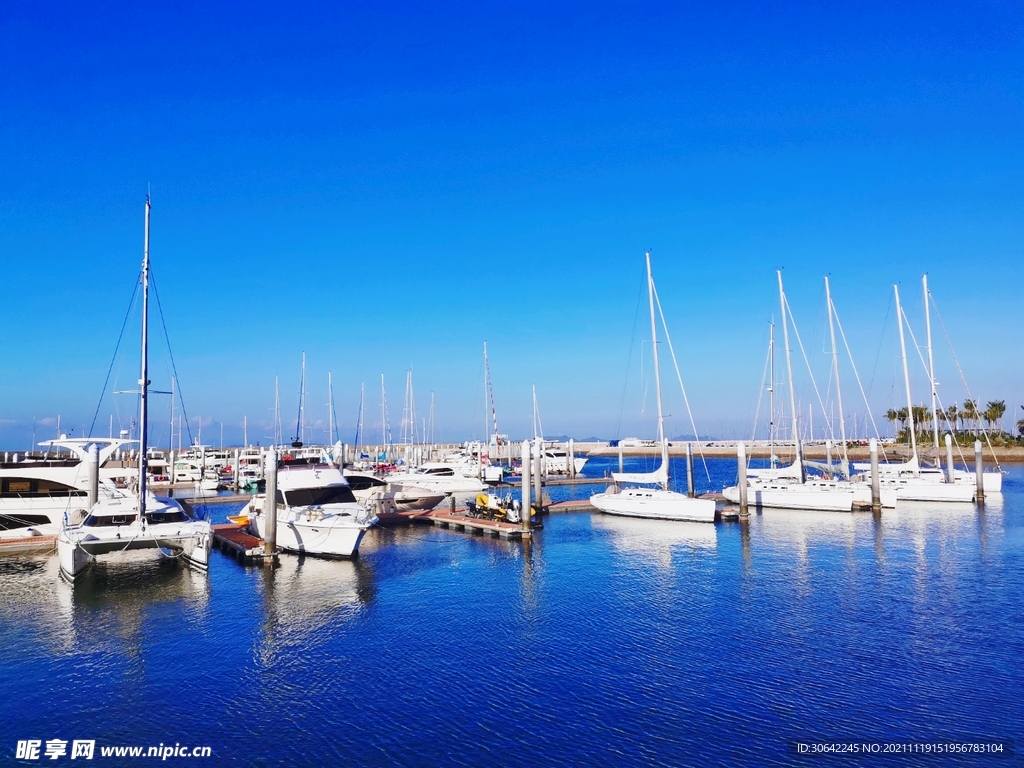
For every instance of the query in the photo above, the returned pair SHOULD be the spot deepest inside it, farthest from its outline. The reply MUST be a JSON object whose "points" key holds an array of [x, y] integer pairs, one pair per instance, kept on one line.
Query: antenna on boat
{"points": [[297, 442]]}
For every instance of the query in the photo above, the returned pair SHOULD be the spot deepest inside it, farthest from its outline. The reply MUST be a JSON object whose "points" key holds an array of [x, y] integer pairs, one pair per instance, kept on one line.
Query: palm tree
{"points": [[971, 414], [1020, 426], [951, 416], [995, 409], [892, 416]]}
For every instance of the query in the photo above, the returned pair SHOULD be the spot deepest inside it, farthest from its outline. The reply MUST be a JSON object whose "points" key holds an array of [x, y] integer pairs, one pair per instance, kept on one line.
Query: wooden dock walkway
{"points": [[28, 544], [235, 541], [460, 521]]}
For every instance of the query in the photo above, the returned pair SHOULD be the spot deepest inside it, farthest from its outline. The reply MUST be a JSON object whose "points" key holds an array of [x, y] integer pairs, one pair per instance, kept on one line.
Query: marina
{"points": [[765, 600], [629, 385]]}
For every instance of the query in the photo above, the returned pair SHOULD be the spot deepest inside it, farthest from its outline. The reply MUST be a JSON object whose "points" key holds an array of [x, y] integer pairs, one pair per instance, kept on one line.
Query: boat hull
{"points": [[655, 504], [795, 497], [323, 538]]}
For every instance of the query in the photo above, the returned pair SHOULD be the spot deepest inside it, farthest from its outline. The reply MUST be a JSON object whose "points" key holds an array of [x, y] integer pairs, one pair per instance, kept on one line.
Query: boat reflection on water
{"points": [[307, 599], [655, 540], [107, 604]]}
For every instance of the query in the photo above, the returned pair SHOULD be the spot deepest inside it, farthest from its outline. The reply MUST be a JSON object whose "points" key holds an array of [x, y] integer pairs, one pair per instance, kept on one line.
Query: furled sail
{"points": [[658, 476]]}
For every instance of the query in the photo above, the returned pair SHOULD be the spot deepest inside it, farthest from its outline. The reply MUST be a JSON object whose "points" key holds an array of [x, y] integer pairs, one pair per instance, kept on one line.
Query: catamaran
{"points": [[138, 520]]}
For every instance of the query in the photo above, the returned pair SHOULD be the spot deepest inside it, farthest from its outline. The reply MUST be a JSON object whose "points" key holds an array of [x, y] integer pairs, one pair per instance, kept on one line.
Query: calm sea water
{"points": [[605, 641]]}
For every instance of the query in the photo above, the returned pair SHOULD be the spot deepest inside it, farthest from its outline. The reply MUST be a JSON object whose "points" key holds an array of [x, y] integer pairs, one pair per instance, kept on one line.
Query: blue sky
{"points": [[387, 185]]}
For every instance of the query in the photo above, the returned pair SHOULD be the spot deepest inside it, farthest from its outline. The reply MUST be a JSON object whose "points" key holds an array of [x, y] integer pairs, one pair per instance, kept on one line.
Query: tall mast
{"points": [[172, 414], [771, 394], [359, 422], [385, 428], [431, 418], [657, 372], [144, 377], [485, 396], [835, 372], [245, 431], [330, 410], [300, 427], [789, 373], [931, 364], [278, 436], [538, 427], [906, 373]]}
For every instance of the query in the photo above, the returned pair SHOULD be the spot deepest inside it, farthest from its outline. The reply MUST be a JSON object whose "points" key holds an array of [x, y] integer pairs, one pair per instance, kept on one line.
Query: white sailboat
{"points": [[789, 487], [135, 521], [657, 502]]}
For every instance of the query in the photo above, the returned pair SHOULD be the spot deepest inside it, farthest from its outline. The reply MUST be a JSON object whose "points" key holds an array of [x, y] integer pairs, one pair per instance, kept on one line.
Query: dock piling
{"points": [[741, 462], [876, 492], [950, 473], [690, 490], [270, 503], [94, 475], [538, 470], [979, 468], [526, 485]]}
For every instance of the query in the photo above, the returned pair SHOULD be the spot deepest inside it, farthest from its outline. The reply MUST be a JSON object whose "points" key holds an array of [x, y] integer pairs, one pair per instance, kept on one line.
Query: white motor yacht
{"points": [[317, 513], [36, 493], [375, 493], [440, 478]]}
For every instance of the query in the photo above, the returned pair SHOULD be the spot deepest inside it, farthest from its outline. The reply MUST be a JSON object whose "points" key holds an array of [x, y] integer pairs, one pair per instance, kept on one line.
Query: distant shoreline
{"points": [[721, 448]]}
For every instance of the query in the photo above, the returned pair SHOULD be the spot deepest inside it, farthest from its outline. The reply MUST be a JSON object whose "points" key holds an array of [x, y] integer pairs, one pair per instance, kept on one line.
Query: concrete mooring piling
{"points": [[828, 456], [979, 470], [690, 490], [538, 471], [570, 457], [235, 469], [876, 491], [741, 466], [526, 485], [270, 504], [620, 455], [950, 472], [94, 475]]}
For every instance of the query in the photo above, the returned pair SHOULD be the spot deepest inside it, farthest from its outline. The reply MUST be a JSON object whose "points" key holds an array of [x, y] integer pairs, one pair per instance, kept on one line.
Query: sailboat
{"points": [[142, 520], [789, 487], [910, 481], [657, 502]]}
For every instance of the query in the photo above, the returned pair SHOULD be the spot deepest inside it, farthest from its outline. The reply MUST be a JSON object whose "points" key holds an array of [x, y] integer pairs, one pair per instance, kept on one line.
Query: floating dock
{"points": [[28, 544], [235, 541], [461, 521]]}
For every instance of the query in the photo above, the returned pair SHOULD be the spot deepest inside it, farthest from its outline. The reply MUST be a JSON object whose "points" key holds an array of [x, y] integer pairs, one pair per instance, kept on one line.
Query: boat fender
{"points": [[481, 500]]}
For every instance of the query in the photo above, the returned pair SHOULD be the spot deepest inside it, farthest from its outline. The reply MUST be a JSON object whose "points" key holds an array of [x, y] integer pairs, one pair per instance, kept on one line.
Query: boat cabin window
{"points": [[170, 516], [441, 472], [102, 520], [31, 487], [362, 482], [12, 522], [332, 494]]}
